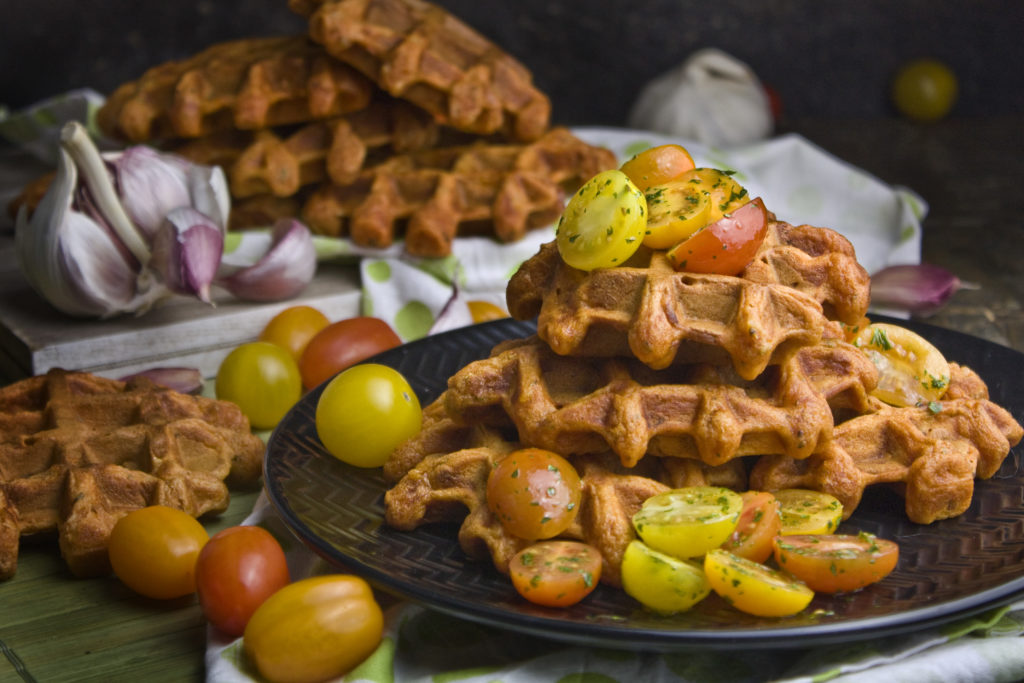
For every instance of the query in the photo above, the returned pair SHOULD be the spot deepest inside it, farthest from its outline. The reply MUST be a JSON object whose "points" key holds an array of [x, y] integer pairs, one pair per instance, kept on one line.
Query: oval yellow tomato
{"points": [[314, 629], [153, 551], [688, 522], [661, 582], [485, 311], [754, 588]]}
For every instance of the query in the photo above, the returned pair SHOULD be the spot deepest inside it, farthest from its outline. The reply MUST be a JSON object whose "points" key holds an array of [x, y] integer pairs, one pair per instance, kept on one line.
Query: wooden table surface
{"points": [[55, 628]]}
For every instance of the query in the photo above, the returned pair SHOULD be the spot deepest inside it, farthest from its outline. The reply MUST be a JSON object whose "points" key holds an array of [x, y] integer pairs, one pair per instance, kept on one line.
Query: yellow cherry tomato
{"points": [[657, 165], [808, 512], [604, 222], [690, 521], [314, 629], [910, 370], [675, 213], [484, 311], [262, 379], [754, 588], [293, 327], [365, 412], [153, 551], [661, 582], [924, 90]]}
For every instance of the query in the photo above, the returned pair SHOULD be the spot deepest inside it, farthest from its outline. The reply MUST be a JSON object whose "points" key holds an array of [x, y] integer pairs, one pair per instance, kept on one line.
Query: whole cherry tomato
{"points": [[314, 629], [236, 571], [535, 493], [153, 551], [262, 379], [343, 344], [924, 90], [293, 327]]}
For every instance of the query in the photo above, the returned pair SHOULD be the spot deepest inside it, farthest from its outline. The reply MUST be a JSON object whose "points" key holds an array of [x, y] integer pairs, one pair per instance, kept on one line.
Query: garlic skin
{"points": [[284, 270], [187, 249], [921, 289]]}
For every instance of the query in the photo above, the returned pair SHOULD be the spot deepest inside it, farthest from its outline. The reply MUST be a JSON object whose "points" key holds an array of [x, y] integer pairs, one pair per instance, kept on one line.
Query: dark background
{"points": [[827, 59]]}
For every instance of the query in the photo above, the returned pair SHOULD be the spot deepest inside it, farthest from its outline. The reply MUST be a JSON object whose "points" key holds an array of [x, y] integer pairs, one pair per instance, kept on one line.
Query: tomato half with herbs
{"points": [[293, 327], [342, 344], [236, 571], [262, 380], [808, 512], [688, 522], [755, 588], [657, 165], [603, 223], [758, 525], [314, 629], [365, 412], [534, 493], [661, 582], [911, 371], [834, 563], [153, 551], [556, 573], [726, 246]]}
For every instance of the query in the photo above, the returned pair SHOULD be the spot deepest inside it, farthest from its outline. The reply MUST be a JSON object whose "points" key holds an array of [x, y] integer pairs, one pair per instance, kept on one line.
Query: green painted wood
{"points": [[65, 629]]}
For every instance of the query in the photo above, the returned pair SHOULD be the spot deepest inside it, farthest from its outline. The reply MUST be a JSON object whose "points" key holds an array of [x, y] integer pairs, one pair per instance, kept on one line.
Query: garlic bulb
{"points": [[712, 98], [118, 232]]}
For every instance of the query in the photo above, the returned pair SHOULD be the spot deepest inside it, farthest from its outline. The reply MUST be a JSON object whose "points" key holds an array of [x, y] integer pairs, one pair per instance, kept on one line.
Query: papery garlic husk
{"points": [[284, 270], [150, 184], [187, 249]]}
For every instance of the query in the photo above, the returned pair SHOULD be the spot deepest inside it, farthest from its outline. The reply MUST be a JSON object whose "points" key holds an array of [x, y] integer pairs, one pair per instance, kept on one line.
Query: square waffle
{"points": [[502, 189], [246, 84], [420, 52], [78, 452]]}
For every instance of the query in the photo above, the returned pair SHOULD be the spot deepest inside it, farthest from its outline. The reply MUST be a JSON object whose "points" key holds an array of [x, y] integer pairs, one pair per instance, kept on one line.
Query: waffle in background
{"points": [[78, 452]]}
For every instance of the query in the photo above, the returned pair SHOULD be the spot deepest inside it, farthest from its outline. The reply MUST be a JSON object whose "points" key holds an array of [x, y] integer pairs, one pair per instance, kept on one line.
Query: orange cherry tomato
{"points": [[556, 573], [833, 563], [293, 327], [726, 246], [343, 344], [236, 571], [535, 493], [657, 165], [759, 524], [484, 311], [314, 629], [153, 551]]}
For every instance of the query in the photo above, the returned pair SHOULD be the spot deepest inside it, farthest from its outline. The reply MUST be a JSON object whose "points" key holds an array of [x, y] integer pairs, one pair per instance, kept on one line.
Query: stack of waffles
{"points": [[389, 118], [78, 452], [649, 379]]}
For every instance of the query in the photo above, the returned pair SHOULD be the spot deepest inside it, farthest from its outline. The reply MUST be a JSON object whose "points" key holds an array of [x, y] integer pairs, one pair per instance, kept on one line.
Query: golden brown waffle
{"points": [[280, 164], [502, 190], [931, 453], [420, 52], [78, 452], [247, 84], [647, 309]]}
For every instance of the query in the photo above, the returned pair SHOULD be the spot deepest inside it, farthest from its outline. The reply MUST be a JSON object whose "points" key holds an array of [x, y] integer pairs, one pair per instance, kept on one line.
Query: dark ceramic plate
{"points": [[947, 570]]}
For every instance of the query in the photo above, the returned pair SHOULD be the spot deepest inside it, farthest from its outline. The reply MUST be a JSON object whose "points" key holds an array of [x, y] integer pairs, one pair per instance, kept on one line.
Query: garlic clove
{"points": [[185, 380], [150, 184], [186, 252], [209, 194], [283, 271], [921, 288]]}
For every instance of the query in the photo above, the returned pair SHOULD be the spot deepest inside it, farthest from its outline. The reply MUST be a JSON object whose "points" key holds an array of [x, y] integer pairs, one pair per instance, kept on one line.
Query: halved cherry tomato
{"points": [[236, 571], [153, 551], [758, 525], [314, 629], [682, 206], [688, 522], [604, 222], [910, 370], [657, 165], [293, 327], [365, 412], [262, 379], [343, 344], [835, 563], [726, 246], [754, 588], [808, 512], [484, 311], [556, 573], [535, 493], [661, 582]]}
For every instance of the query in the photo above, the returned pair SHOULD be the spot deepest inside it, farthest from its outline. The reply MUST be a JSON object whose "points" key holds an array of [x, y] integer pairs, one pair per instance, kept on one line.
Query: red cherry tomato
{"points": [[293, 327], [556, 573], [726, 246], [831, 563], [342, 344], [535, 493], [760, 522], [237, 570]]}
